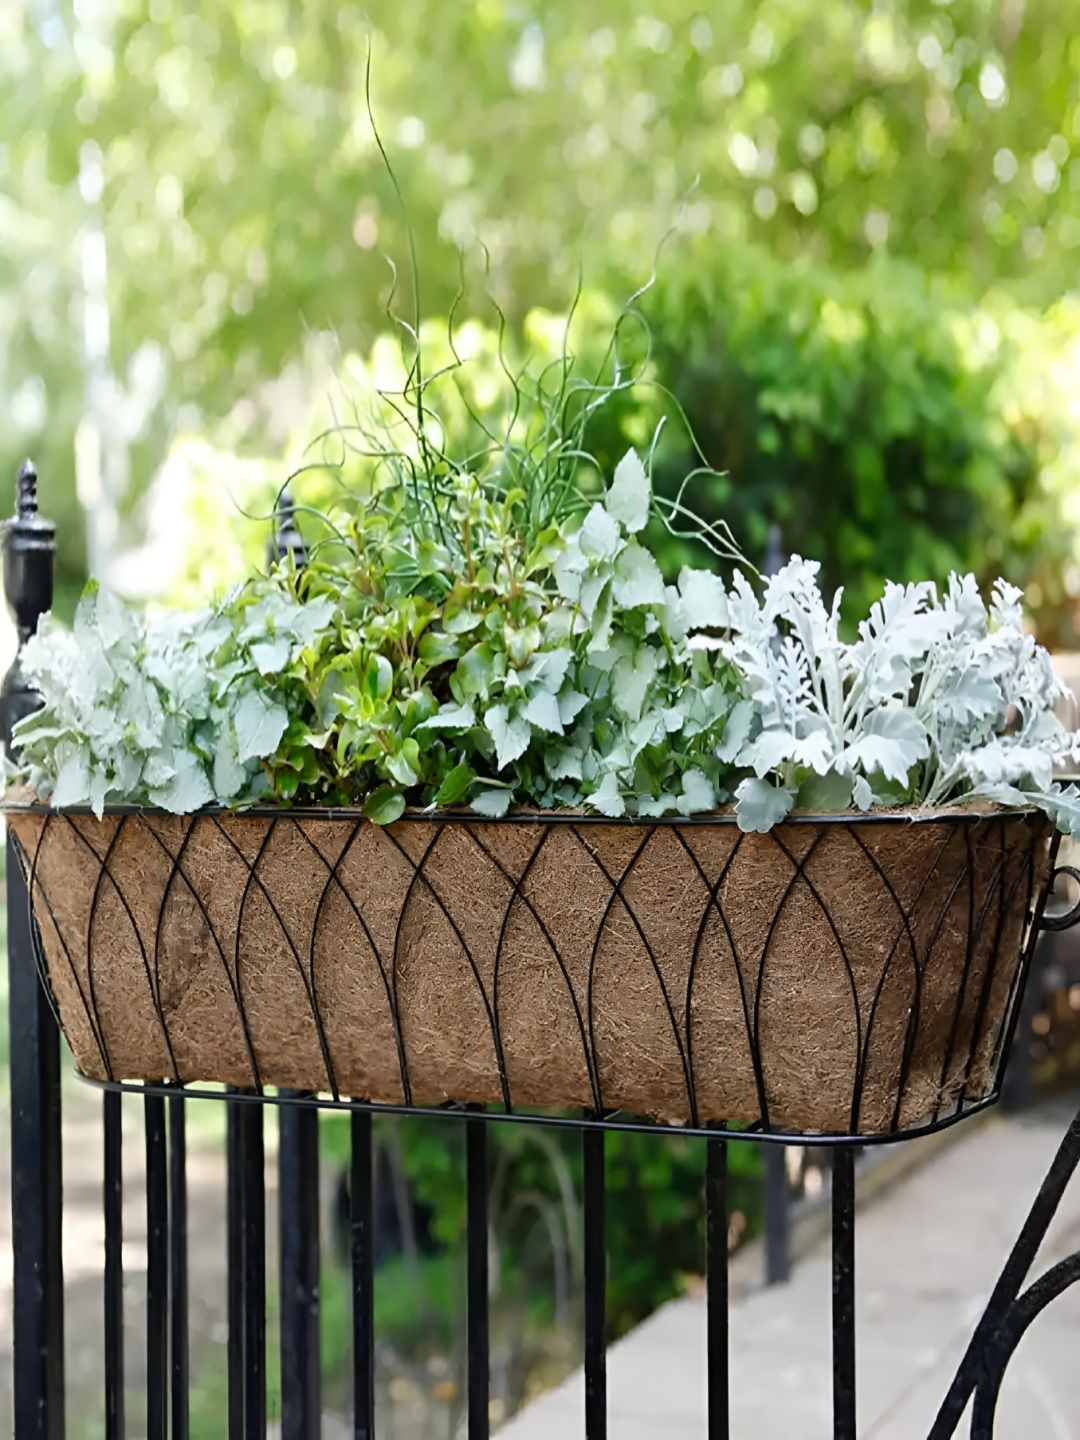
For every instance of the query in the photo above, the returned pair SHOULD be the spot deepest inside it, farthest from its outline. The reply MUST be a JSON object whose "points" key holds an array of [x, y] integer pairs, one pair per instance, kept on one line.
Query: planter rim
{"points": [[910, 815]]}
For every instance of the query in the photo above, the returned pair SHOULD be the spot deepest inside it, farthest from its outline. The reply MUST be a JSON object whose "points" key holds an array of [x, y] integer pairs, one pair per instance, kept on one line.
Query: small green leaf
{"points": [[698, 793], [435, 647], [493, 803], [455, 784], [607, 798], [599, 535], [760, 806], [384, 805], [826, 793], [288, 782], [404, 766]]}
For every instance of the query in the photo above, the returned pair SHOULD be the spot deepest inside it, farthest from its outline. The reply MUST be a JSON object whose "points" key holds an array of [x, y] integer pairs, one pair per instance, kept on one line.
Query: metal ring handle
{"points": [[1071, 917]]}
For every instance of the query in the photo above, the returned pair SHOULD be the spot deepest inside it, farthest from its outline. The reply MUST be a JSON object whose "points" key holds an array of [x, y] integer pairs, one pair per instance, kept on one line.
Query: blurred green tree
{"points": [[244, 197]]}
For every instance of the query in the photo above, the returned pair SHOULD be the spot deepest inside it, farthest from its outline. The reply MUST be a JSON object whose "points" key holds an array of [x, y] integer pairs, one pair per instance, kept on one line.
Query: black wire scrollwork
{"points": [[1012, 1309]]}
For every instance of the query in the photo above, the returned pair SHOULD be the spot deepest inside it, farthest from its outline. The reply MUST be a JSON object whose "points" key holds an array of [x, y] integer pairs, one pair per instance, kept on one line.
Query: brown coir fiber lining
{"points": [[825, 977]]}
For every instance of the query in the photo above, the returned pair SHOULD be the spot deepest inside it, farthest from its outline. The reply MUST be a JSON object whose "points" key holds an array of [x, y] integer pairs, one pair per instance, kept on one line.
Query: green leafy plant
{"points": [[474, 627], [479, 623]]}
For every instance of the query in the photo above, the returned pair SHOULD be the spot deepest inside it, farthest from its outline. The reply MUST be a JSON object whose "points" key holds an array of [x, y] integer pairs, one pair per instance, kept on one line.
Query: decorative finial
{"points": [[286, 539], [28, 542], [26, 492]]}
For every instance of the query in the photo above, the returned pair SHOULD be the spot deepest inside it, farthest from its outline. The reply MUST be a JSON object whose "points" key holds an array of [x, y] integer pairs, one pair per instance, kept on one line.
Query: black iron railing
{"points": [[39, 1387]]}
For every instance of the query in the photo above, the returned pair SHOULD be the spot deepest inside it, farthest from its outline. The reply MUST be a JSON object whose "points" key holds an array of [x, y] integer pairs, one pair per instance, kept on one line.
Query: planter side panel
{"points": [[824, 977]]}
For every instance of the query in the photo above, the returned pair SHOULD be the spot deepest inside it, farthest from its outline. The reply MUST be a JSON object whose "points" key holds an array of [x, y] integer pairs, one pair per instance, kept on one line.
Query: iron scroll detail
{"points": [[1070, 917], [1013, 1306], [1011, 1309]]}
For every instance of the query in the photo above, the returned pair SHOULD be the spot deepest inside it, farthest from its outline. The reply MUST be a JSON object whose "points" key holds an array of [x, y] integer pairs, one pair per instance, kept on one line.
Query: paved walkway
{"points": [[928, 1251]]}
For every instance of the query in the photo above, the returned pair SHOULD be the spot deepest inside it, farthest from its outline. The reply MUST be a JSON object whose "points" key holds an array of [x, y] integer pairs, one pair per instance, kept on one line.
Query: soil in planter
{"points": [[825, 977]]}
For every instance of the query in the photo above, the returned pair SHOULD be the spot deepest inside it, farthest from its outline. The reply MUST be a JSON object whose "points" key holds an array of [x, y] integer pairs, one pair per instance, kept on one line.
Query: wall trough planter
{"points": [[840, 975]]}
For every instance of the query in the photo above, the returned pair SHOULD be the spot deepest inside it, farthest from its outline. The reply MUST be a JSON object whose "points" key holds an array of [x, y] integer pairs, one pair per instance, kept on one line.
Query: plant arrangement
{"points": [[484, 626], [479, 627]]}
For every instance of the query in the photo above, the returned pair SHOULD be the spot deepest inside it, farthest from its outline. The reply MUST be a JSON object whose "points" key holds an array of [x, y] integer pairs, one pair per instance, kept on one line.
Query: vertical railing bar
{"points": [[157, 1271], [113, 1200], [362, 1235], [592, 1144], [777, 1239], [37, 1292], [478, 1360], [36, 1182], [247, 1272], [234, 1267], [716, 1289], [298, 1207], [178, 1267], [843, 1292], [253, 1281]]}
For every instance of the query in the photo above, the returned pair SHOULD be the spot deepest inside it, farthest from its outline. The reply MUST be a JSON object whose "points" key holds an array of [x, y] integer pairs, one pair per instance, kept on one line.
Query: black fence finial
{"points": [[26, 490], [286, 539], [29, 545]]}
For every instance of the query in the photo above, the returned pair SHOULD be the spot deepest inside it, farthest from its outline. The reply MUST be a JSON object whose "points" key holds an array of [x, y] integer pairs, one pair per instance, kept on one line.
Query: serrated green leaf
{"points": [[628, 499], [188, 790], [542, 711], [599, 536], [229, 774], [72, 785], [271, 656], [892, 741], [510, 733], [450, 717], [637, 580], [662, 805], [736, 730], [631, 677]]}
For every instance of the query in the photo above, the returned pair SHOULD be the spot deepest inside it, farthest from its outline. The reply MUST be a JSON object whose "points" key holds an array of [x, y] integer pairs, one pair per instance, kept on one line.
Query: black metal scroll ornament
{"points": [[1012, 1309]]}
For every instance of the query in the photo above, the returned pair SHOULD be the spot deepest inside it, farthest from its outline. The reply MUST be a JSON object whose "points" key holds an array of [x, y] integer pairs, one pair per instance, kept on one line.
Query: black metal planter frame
{"points": [[37, 1219]]}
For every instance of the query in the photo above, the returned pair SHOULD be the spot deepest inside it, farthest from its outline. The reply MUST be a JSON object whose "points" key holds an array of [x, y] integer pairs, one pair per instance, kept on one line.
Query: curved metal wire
{"points": [[557, 1119], [991, 888], [912, 929], [1009, 1313]]}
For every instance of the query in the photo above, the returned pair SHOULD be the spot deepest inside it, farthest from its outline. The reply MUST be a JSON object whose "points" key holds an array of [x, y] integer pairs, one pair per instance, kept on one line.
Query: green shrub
{"points": [[877, 421]]}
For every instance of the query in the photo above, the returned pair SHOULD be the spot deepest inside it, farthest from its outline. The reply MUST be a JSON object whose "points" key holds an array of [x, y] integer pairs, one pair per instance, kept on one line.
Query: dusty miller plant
{"points": [[941, 698]]}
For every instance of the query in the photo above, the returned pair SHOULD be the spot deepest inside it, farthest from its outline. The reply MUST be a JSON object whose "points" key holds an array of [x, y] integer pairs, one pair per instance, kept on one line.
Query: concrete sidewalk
{"points": [[928, 1252]]}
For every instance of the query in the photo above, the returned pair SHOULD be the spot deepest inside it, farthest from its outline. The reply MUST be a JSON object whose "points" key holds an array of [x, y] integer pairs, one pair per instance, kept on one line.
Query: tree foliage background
{"points": [[227, 157]]}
